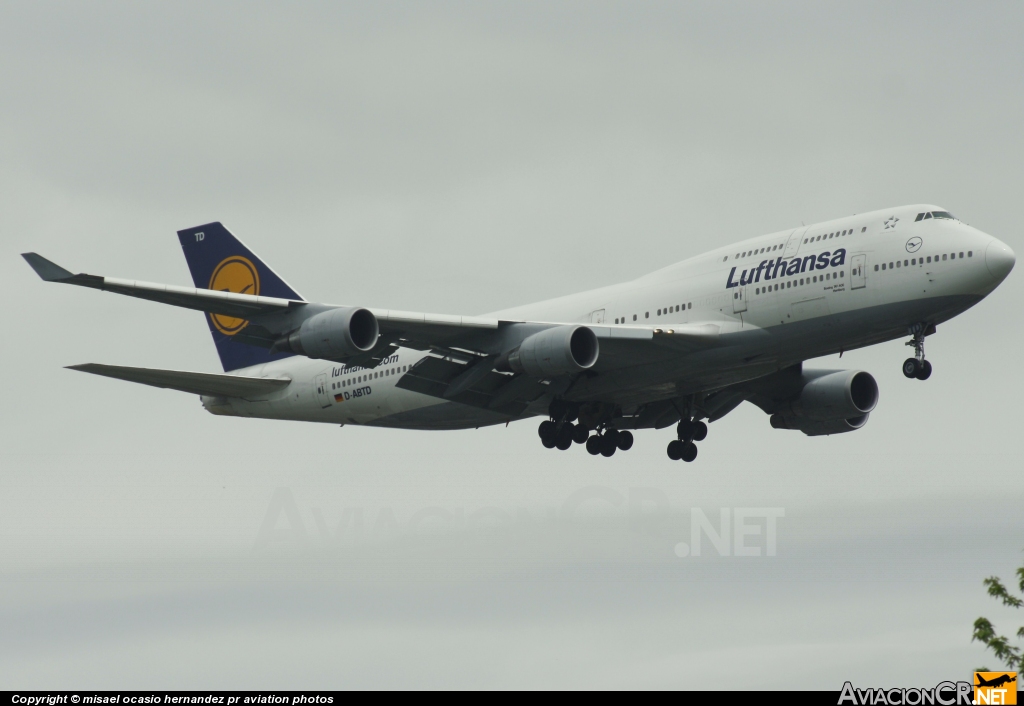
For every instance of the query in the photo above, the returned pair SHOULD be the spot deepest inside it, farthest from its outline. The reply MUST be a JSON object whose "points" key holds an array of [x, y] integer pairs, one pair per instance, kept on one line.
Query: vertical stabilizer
{"points": [[219, 261]]}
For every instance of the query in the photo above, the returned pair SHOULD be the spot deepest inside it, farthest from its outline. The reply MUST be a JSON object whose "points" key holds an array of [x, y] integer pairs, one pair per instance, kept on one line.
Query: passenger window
{"points": [[864, 228], [890, 265], [634, 317], [689, 305], [970, 253], [929, 258], [841, 273], [876, 268], [724, 259], [943, 256], [961, 256], [659, 312], [805, 241], [897, 263], [647, 314]]}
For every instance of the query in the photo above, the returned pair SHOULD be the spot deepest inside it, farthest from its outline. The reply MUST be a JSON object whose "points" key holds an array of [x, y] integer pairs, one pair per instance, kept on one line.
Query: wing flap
{"points": [[500, 392], [213, 384]]}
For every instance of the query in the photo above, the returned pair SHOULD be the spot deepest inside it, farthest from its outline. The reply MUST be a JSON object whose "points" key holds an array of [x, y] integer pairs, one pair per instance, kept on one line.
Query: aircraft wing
{"points": [[242, 306], [448, 335], [212, 384]]}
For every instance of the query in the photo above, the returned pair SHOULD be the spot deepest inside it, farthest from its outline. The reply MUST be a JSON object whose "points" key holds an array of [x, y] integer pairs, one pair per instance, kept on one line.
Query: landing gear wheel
{"points": [[924, 371], [547, 429], [700, 431], [675, 450], [684, 429], [548, 441], [625, 440], [912, 367], [607, 446], [689, 451], [564, 439], [580, 434], [594, 445]]}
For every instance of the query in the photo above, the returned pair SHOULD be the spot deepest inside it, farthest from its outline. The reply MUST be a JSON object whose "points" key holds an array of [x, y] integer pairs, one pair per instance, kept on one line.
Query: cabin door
{"points": [[323, 396], [739, 300], [858, 276]]}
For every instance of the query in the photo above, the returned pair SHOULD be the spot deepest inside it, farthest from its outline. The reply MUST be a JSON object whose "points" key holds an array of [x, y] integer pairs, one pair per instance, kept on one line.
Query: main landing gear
{"points": [[688, 432], [560, 432], [918, 367], [608, 442]]}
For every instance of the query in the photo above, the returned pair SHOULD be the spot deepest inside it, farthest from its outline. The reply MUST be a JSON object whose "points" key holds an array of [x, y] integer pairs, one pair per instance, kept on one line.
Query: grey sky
{"points": [[462, 158]]}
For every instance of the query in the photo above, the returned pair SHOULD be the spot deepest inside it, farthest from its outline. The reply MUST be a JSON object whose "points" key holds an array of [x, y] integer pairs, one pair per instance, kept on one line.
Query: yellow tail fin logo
{"points": [[234, 274]]}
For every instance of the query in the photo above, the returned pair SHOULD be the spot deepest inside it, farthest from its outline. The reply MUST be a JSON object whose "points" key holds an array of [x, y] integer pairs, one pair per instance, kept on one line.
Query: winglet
{"points": [[48, 271]]}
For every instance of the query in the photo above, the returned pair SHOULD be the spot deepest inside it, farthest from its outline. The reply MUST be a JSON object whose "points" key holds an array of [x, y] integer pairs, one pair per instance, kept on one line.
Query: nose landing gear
{"points": [[918, 367]]}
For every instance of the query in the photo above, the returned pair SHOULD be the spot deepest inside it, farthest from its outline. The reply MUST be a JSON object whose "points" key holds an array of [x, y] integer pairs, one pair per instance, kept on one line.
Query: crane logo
{"points": [[914, 244], [238, 275], [995, 688]]}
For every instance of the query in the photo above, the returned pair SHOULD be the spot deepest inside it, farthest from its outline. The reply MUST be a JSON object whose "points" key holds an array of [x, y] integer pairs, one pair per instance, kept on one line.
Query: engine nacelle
{"points": [[555, 351], [830, 402], [812, 427], [334, 334], [838, 395]]}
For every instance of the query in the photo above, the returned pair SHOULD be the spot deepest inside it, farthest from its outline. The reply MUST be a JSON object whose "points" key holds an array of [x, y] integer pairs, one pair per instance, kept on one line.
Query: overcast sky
{"points": [[461, 158]]}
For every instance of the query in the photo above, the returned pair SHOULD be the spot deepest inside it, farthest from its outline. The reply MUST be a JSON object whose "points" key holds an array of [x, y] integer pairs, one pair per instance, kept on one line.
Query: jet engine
{"points": [[829, 403], [337, 333], [555, 351]]}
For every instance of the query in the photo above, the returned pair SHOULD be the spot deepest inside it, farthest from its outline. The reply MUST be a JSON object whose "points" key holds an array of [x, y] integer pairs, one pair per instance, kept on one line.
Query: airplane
{"points": [[680, 347], [995, 681]]}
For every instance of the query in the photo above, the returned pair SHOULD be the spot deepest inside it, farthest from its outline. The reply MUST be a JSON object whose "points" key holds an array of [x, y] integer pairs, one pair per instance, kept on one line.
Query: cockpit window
{"points": [[935, 214]]}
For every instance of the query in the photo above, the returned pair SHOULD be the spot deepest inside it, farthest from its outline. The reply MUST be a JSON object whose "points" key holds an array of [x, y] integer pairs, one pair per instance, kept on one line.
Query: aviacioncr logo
{"points": [[234, 274]]}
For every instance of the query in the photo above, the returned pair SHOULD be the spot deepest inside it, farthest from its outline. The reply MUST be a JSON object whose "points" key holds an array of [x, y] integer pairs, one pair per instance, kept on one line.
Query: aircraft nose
{"points": [[999, 259]]}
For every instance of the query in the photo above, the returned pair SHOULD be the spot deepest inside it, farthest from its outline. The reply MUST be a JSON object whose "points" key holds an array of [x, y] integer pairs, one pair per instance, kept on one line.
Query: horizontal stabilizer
{"points": [[213, 384]]}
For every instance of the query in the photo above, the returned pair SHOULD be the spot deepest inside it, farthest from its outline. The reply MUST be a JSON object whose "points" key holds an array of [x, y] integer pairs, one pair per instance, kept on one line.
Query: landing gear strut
{"points": [[918, 367]]}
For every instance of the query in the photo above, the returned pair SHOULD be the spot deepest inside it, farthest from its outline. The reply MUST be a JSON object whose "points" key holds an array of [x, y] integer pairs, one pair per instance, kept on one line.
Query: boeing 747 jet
{"points": [[680, 347]]}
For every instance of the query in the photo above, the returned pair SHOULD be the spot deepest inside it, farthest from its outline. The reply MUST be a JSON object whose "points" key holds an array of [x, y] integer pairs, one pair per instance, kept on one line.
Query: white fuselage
{"points": [[778, 299]]}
